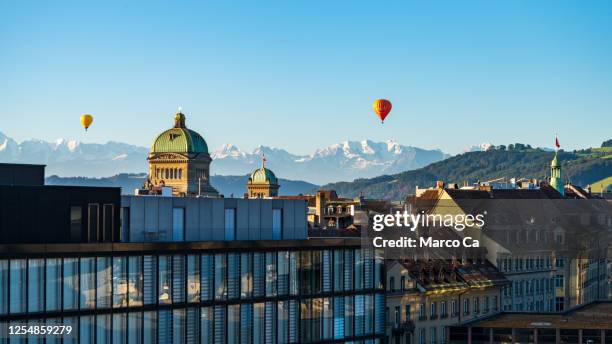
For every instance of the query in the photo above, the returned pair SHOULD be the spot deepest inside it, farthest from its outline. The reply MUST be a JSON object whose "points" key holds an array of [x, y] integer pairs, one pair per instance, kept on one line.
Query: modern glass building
{"points": [[186, 270]]}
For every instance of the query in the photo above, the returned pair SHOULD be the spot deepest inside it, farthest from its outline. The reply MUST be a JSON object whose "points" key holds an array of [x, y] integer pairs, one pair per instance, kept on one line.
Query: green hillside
{"points": [[580, 167]]}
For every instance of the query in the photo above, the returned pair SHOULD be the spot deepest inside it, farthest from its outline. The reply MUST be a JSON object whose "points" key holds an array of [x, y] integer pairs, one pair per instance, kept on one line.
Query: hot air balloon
{"points": [[86, 120], [382, 107]]}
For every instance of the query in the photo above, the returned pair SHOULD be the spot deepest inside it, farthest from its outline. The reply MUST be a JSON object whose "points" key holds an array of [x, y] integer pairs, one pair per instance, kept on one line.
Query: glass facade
{"points": [[273, 296]]}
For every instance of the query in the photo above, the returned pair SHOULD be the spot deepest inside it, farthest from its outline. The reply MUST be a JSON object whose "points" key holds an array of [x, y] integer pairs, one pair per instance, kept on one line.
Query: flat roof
{"points": [[596, 315]]}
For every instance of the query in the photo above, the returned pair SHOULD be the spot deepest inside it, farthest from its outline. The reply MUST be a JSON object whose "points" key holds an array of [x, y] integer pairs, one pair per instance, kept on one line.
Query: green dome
{"points": [[263, 175], [554, 162], [179, 139]]}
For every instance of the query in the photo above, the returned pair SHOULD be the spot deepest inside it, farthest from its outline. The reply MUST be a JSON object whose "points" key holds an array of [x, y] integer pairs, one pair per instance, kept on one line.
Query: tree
{"points": [[607, 143]]}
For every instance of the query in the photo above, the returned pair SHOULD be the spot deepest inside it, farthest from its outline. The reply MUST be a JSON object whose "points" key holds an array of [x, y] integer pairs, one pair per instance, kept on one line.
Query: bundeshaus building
{"points": [[177, 263]]}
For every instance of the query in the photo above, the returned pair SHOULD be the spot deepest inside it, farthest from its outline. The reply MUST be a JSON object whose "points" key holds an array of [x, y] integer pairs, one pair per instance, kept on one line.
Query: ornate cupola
{"points": [[556, 177], [262, 182], [179, 158]]}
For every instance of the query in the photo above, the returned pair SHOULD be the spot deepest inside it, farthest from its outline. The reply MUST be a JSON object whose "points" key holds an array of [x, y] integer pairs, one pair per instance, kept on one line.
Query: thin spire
{"points": [[263, 160]]}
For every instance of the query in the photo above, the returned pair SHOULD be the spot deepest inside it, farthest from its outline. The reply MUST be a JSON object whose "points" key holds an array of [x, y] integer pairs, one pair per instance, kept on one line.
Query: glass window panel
{"points": [[293, 273], [193, 325], [283, 322], [103, 329], [316, 273], [348, 269], [306, 273], [259, 278], [74, 335], [328, 319], [246, 275], [149, 327], [368, 269], [164, 326], [54, 340], [150, 280], [338, 270], [18, 286], [165, 280], [270, 274], [33, 339], [108, 222], [87, 284], [233, 324], [178, 326], [135, 281], [338, 317], [380, 306], [119, 282], [233, 275], [178, 279], [277, 224], [359, 315], [294, 314], [134, 328], [71, 283], [358, 269], [193, 278], [4, 287], [103, 280], [369, 314], [36, 283], [178, 224], [76, 220], [207, 281], [220, 276], [119, 328], [259, 323], [326, 271], [349, 315], [220, 325], [87, 329], [246, 323], [282, 265], [206, 325], [379, 265], [230, 223], [271, 322]]}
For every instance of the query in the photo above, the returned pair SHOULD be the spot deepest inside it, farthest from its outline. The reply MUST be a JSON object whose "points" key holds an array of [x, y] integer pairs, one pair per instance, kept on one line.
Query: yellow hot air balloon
{"points": [[86, 120]]}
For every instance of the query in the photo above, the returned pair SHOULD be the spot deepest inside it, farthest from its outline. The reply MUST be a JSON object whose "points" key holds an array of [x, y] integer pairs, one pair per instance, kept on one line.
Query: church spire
{"points": [[556, 178], [179, 119]]}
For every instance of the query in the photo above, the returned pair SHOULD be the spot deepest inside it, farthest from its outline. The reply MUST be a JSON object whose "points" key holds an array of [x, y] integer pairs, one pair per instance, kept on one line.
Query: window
{"points": [[486, 304], [76, 214], [476, 305], [397, 315], [443, 309], [403, 283], [178, 224], [432, 335], [466, 306], [71, 283], [408, 316], [230, 224], [108, 222], [559, 303], [53, 284], [277, 224], [559, 281], [36, 280], [454, 308], [434, 311], [93, 220], [422, 314], [18, 286]]}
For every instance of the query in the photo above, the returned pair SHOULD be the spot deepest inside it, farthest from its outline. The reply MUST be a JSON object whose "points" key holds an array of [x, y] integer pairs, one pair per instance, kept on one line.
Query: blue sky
{"points": [[303, 74]]}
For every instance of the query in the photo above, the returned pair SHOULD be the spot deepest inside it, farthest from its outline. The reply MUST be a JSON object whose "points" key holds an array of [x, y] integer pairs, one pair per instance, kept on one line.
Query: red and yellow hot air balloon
{"points": [[86, 120], [382, 107]]}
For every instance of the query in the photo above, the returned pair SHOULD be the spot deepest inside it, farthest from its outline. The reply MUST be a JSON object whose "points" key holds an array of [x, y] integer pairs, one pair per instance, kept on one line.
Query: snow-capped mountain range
{"points": [[343, 161]]}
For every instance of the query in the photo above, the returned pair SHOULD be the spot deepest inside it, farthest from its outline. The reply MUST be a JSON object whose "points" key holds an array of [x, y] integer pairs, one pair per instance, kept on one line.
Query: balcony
{"points": [[402, 327]]}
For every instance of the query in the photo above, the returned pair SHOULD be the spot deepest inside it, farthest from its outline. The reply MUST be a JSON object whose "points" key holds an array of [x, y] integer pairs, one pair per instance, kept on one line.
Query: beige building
{"points": [[424, 298], [179, 159], [262, 183]]}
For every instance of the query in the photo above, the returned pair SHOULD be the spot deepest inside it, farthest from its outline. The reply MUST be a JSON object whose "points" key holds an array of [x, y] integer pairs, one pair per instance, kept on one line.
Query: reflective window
{"points": [[87, 284], [18, 286], [270, 322], [53, 284], [119, 328], [134, 334], [220, 325], [233, 275], [206, 325], [338, 270], [246, 275], [193, 278], [271, 274], [233, 324], [178, 224], [103, 328], [206, 277], [220, 277], [259, 323], [149, 327], [165, 280], [150, 280], [259, 278], [135, 281], [246, 323], [71, 283], [4, 278], [178, 279], [103, 280], [277, 224], [119, 282], [282, 266], [87, 329], [36, 285], [230, 223], [178, 326]]}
